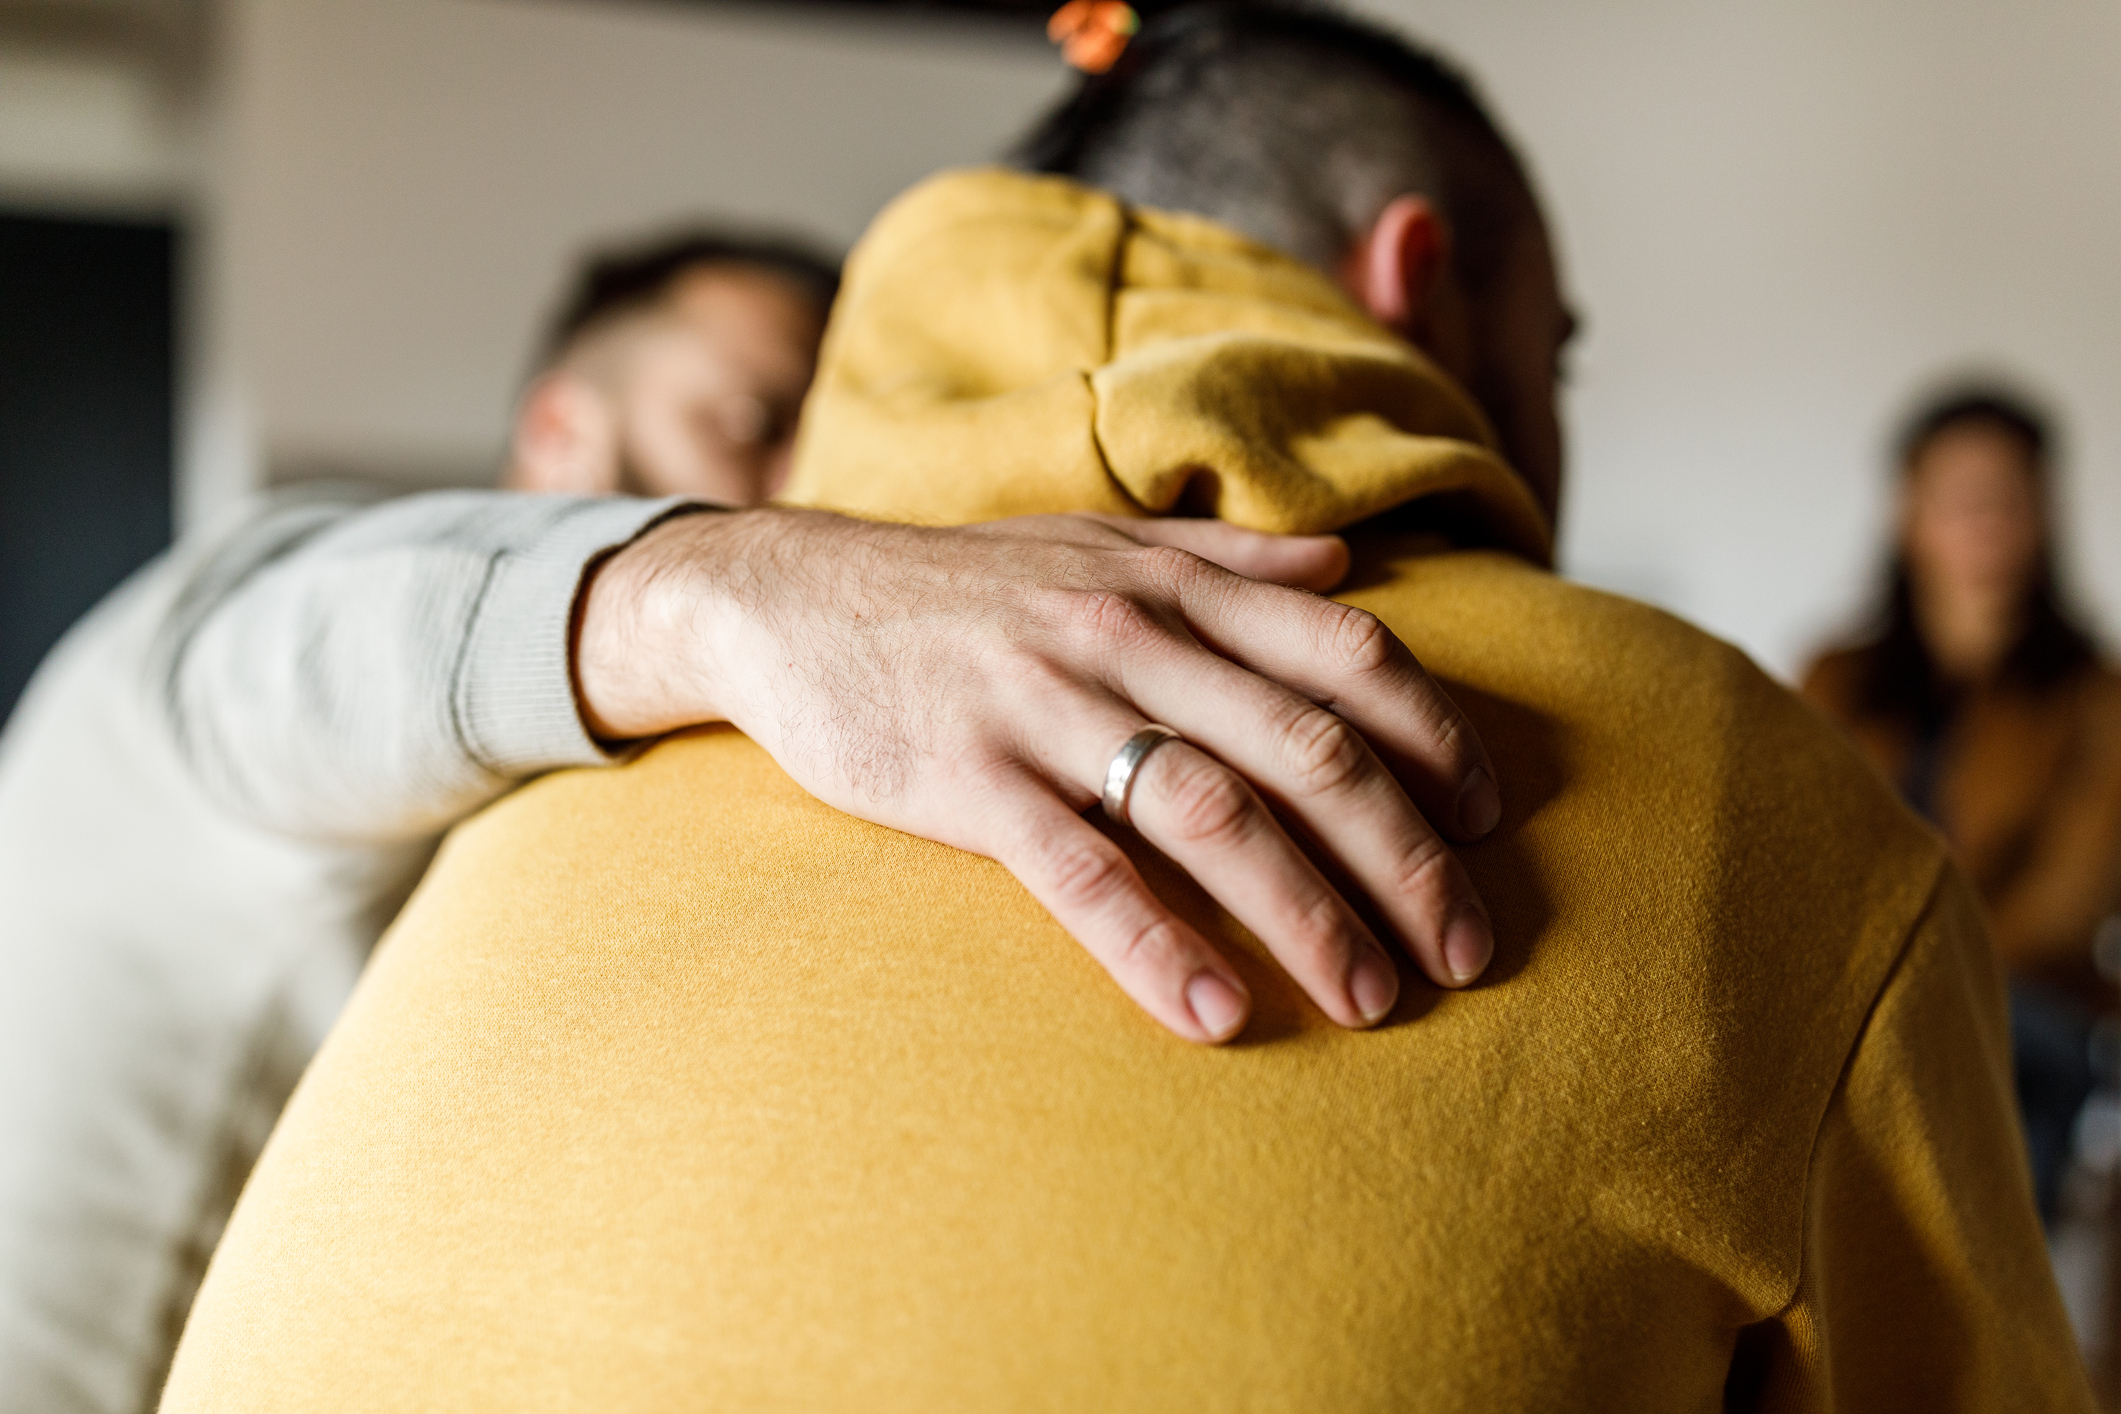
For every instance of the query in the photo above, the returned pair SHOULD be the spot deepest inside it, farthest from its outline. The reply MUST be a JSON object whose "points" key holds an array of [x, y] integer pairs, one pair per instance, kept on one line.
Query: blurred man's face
{"points": [[697, 396], [707, 401]]}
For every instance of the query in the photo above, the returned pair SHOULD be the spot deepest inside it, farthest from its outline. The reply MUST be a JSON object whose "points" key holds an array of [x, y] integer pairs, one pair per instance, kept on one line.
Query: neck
{"points": [[1968, 629]]}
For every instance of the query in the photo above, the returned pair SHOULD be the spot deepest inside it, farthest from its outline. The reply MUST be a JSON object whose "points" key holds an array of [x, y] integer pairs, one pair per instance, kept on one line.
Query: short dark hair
{"points": [[630, 278], [1293, 123], [1988, 405]]}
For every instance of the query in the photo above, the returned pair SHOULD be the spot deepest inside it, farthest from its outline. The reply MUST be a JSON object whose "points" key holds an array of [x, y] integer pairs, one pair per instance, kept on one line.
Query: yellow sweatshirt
{"points": [[676, 1089]]}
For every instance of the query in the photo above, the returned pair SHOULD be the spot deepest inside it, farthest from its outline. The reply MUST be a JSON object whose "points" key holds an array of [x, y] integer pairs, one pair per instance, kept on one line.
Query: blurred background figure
{"points": [[223, 782], [1984, 700], [676, 368]]}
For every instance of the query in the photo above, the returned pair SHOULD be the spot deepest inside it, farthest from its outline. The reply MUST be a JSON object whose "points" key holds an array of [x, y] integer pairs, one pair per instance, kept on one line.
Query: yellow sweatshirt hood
{"points": [[1007, 344]]}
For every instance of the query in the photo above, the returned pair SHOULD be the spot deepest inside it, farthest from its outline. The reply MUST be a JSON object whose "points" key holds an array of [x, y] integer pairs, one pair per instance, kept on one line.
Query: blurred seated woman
{"points": [[1987, 704]]}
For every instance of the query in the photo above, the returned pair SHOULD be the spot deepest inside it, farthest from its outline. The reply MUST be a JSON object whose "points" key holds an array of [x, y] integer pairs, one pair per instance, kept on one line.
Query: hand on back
{"points": [[973, 685]]}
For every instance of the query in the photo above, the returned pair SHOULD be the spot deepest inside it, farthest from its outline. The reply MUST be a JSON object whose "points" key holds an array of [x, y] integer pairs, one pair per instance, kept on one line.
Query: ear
{"points": [[1397, 271], [566, 438]]}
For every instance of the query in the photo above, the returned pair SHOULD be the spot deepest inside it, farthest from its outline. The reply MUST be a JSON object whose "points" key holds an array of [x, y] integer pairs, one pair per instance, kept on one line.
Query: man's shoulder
{"points": [[1691, 826], [1670, 707], [1690, 857], [1648, 706]]}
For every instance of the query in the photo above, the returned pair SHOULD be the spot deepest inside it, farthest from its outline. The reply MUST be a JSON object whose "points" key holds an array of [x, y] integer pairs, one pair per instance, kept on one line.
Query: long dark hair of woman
{"points": [[1900, 678]]}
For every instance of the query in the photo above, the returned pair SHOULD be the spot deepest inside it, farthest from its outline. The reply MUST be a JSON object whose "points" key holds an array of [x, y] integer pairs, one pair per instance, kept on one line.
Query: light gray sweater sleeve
{"points": [[374, 672]]}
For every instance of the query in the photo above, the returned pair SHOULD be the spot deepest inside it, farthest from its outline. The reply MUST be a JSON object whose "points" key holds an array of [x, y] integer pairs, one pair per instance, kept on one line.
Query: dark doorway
{"points": [[87, 420]]}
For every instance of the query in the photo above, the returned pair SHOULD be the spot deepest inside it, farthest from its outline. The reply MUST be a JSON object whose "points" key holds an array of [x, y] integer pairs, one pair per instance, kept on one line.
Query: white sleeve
{"points": [[349, 671]]}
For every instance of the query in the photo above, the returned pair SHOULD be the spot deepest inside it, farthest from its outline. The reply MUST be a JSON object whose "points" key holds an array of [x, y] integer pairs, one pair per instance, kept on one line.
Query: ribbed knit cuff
{"points": [[514, 690]]}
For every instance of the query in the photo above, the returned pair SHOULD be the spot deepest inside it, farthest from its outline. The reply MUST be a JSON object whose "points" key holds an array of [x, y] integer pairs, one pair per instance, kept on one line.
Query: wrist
{"points": [[643, 644]]}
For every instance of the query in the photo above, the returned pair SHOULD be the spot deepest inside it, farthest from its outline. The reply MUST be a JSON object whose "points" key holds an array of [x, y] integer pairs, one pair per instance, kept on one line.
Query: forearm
{"points": [[376, 673]]}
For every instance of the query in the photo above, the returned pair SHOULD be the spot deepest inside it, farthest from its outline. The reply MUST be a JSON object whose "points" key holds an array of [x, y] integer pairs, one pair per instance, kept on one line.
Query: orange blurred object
{"points": [[1093, 34]]}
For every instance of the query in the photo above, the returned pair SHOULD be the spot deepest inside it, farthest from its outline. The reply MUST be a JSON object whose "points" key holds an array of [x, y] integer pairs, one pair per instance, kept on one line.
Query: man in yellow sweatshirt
{"points": [[637, 1111]]}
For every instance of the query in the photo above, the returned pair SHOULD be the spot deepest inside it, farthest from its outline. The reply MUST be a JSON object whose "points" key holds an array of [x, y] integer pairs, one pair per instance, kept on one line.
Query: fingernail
{"points": [[1373, 985], [1467, 945], [1216, 1005], [1479, 803]]}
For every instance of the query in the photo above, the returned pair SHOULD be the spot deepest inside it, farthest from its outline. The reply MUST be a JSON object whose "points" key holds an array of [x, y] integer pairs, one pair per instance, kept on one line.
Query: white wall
{"points": [[90, 129], [408, 180], [1778, 219]]}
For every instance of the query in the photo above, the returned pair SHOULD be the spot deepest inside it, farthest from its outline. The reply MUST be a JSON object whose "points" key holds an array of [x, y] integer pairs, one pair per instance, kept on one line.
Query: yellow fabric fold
{"points": [[1008, 345]]}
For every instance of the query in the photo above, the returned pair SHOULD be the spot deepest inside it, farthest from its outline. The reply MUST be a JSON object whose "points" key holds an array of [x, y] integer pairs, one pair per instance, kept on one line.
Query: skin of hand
{"points": [[971, 686]]}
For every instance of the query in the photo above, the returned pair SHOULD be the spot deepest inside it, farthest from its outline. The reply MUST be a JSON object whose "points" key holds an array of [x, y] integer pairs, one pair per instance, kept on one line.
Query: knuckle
{"points": [[1172, 566], [1322, 752], [1154, 946], [1428, 870], [1084, 876], [1102, 618], [1359, 639], [1209, 805], [1454, 740], [1324, 935]]}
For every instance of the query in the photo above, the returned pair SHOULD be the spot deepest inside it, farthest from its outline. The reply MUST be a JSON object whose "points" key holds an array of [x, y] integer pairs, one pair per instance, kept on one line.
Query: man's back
{"points": [[638, 1110]]}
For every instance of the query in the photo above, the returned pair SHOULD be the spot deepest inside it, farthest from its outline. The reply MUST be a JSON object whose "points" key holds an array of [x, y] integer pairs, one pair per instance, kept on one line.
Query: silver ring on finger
{"points": [[1119, 776]]}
